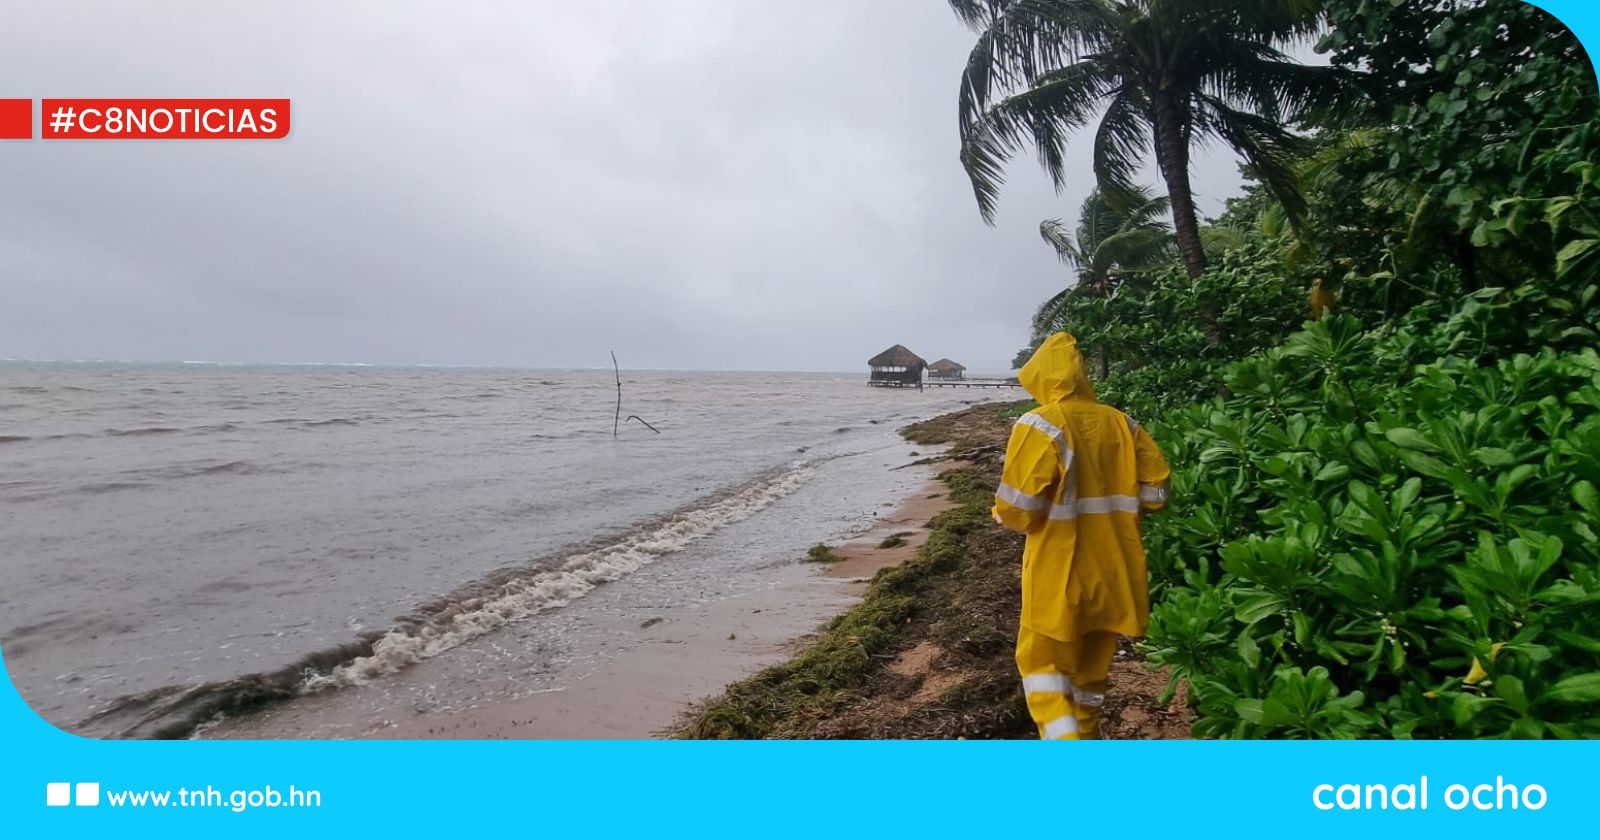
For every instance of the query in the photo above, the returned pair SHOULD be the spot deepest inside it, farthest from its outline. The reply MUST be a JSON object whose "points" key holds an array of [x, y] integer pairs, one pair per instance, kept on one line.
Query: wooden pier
{"points": [[972, 383], [898, 367]]}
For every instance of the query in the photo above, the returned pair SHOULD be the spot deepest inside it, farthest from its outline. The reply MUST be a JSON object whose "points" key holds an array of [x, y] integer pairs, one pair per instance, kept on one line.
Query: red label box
{"points": [[16, 119], [164, 119]]}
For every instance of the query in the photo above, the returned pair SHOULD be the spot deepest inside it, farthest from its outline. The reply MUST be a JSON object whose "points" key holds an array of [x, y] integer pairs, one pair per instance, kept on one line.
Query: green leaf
{"points": [[1333, 471], [1365, 453], [1577, 640], [1510, 689], [1258, 607], [1587, 497], [1364, 496], [1408, 494], [1493, 456], [1249, 651], [1410, 439], [1427, 465], [1468, 706], [1572, 252], [1583, 688], [1527, 729]]}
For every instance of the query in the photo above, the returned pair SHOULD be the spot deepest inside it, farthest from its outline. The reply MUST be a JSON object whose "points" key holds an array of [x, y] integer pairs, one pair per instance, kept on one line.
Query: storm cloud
{"points": [[701, 184]]}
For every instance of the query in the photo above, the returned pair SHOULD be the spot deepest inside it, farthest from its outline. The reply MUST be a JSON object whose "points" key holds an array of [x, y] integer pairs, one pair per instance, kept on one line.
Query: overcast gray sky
{"points": [[712, 184]]}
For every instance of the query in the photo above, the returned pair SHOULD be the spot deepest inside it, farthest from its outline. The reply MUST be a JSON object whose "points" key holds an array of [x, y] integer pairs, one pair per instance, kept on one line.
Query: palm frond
{"points": [[1111, 237], [1134, 250], [1050, 314], [1020, 41], [1142, 207], [1271, 151], [1264, 81], [1120, 142], [1096, 220], [1044, 114], [1054, 233], [978, 14], [1219, 239]]}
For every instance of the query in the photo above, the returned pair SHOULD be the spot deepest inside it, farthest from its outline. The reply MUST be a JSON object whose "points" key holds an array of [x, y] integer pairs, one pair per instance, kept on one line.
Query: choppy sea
{"points": [[170, 534]]}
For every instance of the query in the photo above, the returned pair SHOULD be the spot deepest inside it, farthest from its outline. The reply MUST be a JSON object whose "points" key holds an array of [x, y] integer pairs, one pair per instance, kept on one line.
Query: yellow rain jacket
{"points": [[1077, 476]]}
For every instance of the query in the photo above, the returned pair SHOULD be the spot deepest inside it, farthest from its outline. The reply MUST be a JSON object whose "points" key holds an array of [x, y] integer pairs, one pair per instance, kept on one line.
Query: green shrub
{"points": [[1367, 546]]}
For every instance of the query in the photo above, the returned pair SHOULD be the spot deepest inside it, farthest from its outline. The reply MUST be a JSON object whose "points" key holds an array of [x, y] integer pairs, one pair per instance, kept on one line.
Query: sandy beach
{"points": [[903, 630], [927, 652], [652, 668]]}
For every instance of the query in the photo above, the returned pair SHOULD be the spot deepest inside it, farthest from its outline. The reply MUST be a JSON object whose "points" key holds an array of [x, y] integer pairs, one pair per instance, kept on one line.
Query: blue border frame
{"points": [[800, 789]]}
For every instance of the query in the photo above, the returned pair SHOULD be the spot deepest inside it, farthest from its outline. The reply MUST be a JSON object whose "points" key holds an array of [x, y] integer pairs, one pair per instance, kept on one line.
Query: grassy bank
{"points": [[928, 651]]}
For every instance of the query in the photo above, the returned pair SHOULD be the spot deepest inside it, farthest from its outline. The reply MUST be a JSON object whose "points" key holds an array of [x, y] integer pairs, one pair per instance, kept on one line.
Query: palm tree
{"points": [[1162, 74], [1112, 238]]}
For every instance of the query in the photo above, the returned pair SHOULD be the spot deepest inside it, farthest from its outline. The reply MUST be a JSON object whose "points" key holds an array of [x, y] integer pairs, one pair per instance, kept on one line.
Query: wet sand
{"points": [[864, 556], [651, 668], [683, 658]]}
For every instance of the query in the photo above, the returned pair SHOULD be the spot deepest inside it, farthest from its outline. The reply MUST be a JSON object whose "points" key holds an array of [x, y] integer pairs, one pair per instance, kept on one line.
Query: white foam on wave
{"points": [[570, 580]]}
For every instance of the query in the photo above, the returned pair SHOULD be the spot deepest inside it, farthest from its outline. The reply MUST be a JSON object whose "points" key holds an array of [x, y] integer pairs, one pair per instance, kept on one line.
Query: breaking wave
{"points": [[433, 628], [517, 594]]}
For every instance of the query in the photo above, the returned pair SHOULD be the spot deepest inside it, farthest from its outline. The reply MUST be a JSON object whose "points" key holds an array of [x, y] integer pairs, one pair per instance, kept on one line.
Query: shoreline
{"points": [[902, 630], [927, 652], [643, 664], [680, 656]]}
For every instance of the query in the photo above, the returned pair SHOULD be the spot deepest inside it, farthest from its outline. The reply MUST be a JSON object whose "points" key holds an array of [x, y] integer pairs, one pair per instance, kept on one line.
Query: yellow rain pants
{"points": [[1065, 682], [1078, 475]]}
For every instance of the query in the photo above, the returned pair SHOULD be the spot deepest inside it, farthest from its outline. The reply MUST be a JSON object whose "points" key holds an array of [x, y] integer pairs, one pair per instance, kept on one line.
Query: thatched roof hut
{"points": [[946, 369], [897, 367]]}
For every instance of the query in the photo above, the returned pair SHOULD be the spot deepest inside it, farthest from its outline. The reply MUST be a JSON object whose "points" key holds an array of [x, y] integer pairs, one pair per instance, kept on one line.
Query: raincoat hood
{"points": [[1056, 372]]}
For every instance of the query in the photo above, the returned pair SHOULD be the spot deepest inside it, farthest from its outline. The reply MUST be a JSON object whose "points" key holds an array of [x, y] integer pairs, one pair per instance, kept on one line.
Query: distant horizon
{"points": [[434, 366]]}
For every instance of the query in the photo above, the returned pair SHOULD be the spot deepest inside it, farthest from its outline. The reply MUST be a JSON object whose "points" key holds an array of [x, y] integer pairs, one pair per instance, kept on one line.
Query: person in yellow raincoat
{"points": [[1078, 475]]}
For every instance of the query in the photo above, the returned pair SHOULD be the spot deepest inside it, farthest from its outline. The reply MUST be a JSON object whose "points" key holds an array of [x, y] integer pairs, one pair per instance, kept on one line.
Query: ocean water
{"points": [[171, 533]]}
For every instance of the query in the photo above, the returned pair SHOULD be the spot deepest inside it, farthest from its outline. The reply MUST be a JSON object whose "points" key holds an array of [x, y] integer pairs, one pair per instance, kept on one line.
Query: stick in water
{"points": [[617, 421], [645, 422]]}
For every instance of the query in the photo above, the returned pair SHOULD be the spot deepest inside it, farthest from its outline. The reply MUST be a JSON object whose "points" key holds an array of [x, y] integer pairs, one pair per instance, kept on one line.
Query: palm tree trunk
{"points": [[1172, 153]]}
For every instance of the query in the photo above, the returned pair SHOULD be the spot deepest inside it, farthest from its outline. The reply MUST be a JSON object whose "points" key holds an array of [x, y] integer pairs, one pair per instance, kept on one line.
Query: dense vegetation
{"points": [[1380, 391]]}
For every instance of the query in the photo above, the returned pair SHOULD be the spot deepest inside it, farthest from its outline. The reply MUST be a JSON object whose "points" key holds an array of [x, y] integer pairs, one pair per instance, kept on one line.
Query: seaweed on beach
{"points": [[839, 668], [956, 596], [928, 651]]}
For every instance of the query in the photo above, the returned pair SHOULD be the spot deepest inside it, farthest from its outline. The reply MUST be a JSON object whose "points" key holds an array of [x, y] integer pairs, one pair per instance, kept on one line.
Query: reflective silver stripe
{"points": [[1154, 494], [1061, 726], [1043, 425], [1133, 427], [1067, 509], [1046, 684], [1070, 509], [1107, 504], [1088, 698], [1016, 498], [1050, 429]]}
